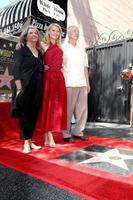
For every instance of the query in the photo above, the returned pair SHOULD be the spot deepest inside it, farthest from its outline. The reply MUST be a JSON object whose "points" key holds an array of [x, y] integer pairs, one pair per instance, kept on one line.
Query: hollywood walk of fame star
{"points": [[5, 79], [112, 156], [10, 44]]}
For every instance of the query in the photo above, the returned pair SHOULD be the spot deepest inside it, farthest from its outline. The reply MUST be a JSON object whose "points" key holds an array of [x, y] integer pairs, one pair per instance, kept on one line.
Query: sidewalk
{"points": [[113, 130]]}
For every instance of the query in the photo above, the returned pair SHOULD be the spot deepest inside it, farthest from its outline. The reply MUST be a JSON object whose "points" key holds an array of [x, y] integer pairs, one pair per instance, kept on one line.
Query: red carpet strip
{"points": [[90, 183], [84, 181]]}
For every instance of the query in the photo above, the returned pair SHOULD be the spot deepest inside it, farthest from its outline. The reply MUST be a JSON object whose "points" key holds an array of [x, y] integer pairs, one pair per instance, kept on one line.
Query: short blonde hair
{"points": [[23, 36], [47, 37]]}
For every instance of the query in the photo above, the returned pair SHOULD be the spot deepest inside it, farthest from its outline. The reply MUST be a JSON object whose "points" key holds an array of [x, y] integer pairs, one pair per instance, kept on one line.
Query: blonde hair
{"points": [[23, 36], [46, 39]]}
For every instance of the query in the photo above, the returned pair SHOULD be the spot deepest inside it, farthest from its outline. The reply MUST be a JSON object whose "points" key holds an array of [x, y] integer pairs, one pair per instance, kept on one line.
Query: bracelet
{"points": [[18, 89]]}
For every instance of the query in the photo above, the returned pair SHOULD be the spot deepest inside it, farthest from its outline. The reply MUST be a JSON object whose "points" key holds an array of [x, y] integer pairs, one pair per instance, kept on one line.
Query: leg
{"points": [[81, 111], [71, 101], [26, 135], [46, 143], [28, 102]]}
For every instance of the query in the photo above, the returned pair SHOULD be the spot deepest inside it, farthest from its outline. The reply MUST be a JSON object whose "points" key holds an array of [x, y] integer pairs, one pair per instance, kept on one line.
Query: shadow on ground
{"points": [[121, 131]]}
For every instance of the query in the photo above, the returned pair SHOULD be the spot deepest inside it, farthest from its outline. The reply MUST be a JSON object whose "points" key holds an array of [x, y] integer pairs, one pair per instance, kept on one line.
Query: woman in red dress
{"points": [[53, 116]]}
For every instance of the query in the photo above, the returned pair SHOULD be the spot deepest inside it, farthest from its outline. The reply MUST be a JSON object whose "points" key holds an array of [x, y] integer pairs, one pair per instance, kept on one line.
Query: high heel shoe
{"points": [[51, 140], [46, 143], [34, 146]]}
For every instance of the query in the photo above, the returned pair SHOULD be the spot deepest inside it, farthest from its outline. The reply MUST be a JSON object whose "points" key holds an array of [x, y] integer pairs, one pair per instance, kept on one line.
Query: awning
{"points": [[16, 12], [39, 13]]}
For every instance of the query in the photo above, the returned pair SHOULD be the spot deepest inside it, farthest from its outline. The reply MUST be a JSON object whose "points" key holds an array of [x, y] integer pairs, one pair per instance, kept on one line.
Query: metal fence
{"points": [[107, 101]]}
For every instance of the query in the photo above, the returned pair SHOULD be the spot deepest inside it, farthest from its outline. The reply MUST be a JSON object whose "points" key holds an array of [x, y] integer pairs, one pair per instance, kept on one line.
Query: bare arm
{"points": [[44, 46]]}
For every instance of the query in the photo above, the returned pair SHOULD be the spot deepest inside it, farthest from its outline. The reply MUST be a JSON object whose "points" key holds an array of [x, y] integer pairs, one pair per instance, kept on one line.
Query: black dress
{"points": [[29, 70]]}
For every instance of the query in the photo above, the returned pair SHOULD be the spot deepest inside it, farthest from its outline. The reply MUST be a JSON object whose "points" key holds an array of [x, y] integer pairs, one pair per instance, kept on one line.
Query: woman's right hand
{"points": [[18, 45], [18, 86], [18, 91], [46, 67]]}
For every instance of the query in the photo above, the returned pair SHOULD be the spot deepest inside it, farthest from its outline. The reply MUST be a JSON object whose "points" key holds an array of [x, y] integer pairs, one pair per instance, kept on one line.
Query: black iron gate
{"points": [[108, 102]]}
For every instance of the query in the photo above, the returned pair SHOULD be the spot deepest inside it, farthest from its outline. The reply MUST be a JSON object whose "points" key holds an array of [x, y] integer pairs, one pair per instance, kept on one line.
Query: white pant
{"points": [[77, 105]]}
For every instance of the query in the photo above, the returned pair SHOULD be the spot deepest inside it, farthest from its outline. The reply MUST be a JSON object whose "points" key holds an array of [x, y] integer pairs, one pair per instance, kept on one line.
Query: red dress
{"points": [[54, 109]]}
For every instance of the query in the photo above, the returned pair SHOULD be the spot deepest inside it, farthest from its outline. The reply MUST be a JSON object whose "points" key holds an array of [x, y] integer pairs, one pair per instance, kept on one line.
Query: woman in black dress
{"points": [[28, 78]]}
